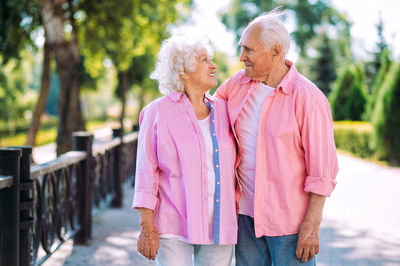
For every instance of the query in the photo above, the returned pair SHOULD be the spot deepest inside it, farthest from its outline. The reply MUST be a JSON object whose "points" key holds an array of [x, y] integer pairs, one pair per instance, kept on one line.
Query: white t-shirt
{"points": [[246, 129], [205, 126]]}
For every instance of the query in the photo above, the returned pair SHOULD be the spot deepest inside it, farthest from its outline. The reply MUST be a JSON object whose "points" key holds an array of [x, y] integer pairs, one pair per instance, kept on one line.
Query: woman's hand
{"points": [[148, 238], [148, 242]]}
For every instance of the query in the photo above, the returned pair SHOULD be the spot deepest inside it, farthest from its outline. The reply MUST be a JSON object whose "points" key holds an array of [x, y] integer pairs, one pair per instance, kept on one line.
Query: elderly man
{"points": [[287, 159]]}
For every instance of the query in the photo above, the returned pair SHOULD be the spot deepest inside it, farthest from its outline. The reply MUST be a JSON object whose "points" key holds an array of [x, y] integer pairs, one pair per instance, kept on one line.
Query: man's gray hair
{"points": [[272, 30], [177, 56]]}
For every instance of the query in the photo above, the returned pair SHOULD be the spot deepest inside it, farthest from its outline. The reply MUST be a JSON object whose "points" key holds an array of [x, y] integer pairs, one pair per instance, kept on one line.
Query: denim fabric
{"points": [[174, 252], [265, 250]]}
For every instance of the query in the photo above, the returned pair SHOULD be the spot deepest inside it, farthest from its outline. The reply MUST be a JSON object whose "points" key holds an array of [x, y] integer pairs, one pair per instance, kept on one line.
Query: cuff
{"points": [[144, 200], [319, 185]]}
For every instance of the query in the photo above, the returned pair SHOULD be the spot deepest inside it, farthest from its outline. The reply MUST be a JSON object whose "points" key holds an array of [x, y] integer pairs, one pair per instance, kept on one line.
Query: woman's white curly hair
{"points": [[177, 56]]}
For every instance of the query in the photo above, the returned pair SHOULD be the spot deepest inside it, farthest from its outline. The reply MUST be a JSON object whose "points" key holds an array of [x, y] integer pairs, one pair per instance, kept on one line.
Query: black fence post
{"points": [[117, 199], [26, 205], [9, 200], [82, 141], [135, 127]]}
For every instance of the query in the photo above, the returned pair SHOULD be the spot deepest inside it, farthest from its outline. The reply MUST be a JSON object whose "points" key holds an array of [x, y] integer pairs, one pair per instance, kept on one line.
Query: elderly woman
{"points": [[185, 185]]}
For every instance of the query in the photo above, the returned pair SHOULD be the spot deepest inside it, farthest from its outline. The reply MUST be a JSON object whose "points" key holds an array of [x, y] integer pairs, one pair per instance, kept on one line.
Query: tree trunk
{"points": [[43, 95], [123, 80], [69, 108]]}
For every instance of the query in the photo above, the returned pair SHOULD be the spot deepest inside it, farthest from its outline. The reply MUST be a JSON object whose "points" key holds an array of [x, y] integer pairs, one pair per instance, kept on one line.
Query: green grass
{"points": [[45, 136]]}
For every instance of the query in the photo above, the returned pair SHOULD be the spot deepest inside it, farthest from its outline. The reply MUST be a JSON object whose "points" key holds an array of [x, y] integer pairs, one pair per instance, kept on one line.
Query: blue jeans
{"points": [[265, 250]]}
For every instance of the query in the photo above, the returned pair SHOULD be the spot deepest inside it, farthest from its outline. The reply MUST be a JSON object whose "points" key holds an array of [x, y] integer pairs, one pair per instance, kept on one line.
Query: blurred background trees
{"points": [[349, 97], [386, 117], [69, 65], [82, 35], [359, 89]]}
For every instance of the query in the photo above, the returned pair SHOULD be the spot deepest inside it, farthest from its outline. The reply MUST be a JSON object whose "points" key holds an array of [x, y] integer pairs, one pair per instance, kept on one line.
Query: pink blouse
{"points": [[171, 171]]}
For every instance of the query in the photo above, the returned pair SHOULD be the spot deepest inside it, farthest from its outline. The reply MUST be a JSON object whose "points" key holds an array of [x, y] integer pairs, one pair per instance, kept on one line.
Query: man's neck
{"points": [[276, 75]]}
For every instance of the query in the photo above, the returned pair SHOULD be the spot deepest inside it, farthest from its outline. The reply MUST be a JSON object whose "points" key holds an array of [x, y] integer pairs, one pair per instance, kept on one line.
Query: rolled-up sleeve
{"points": [[147, 171], [319, 147]]}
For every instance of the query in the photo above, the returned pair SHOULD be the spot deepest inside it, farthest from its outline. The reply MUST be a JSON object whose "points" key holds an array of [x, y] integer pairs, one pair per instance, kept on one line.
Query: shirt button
{"points": [[217, 200], [213, 121], [213, 134], [217, 183], [216, 150], [217, 166]]}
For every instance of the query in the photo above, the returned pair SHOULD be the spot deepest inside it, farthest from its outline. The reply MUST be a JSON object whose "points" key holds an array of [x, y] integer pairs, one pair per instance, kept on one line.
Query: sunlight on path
{"points": [[361, 224]]}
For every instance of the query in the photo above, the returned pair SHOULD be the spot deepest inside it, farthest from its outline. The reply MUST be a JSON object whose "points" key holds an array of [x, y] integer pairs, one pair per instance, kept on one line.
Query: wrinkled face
{"points": [[258, 60], [204, 75]]}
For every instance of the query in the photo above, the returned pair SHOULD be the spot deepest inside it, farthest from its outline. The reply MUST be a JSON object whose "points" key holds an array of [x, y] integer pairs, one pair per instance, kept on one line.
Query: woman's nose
{"points": [[213, 65]]}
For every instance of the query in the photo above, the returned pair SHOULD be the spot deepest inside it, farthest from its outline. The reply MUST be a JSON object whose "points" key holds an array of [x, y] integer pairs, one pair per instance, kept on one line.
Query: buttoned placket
{"points": [[217, 195], [204, 188]]}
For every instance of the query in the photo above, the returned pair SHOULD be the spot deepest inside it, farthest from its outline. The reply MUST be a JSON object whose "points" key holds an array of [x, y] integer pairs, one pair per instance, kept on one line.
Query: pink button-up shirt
{"points": [[295, 153], [171, 171]]}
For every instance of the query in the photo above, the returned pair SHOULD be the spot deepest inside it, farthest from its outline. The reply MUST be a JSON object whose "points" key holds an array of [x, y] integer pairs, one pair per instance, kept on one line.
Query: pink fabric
{"points": [[171, 171], [296, 152]]}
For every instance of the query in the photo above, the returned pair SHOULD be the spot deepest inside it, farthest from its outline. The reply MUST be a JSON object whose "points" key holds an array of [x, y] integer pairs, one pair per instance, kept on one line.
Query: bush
{"points": [[386, 62], [354, 136], [17, 127], [386, 117], [349, 96]]}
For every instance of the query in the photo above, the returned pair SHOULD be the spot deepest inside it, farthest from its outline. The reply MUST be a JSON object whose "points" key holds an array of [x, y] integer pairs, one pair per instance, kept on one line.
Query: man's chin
{"points": [[248, 72]]}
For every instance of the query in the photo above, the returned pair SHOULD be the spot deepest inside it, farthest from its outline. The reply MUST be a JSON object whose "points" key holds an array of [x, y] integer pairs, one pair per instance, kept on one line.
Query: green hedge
{"points": [[355, 137], [45, 135], [15, 128]]}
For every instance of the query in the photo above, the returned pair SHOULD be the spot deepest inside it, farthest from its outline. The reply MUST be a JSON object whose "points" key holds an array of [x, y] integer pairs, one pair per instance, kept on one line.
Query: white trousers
{"points": [[173, 252]]}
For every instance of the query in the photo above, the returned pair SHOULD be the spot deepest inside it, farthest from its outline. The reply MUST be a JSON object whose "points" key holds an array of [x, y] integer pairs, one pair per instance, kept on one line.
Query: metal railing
{"points": [[41, 206]]}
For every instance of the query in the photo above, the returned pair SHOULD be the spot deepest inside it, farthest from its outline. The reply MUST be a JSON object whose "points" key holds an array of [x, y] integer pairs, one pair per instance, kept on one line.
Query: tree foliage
{"points": [[349, 96], [308, 15], [15, 97], [323, 68], [385, 64], [372, 67], [19, 21], [131, 29], [130, 40], [386, 117]]}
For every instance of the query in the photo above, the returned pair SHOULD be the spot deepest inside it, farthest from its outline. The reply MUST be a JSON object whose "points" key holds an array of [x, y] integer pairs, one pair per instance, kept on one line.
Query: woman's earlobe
{"points": [[183, 75]]}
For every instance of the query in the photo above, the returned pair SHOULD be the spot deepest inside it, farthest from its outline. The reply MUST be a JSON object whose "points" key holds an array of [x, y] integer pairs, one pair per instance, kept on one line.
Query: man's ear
{"points": [[276, 50]]}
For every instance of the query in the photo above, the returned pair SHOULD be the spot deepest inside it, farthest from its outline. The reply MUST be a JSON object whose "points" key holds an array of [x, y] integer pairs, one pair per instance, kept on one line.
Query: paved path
{"points": [[362, 218], [361, 224]]}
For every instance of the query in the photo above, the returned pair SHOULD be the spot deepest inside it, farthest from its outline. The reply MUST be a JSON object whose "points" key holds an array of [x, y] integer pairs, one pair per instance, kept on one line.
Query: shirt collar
{"points": [[287, 82], [176, 96], [209, 98], [245, 80]]}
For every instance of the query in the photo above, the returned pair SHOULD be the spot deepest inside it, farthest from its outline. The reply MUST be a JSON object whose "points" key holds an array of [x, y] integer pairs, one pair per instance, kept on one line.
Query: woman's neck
{"points": [[196, 98]]}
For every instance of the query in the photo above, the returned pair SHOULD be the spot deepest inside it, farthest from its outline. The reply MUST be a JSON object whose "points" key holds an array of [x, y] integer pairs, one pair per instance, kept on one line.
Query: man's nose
{"points": [[243, 55]]}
